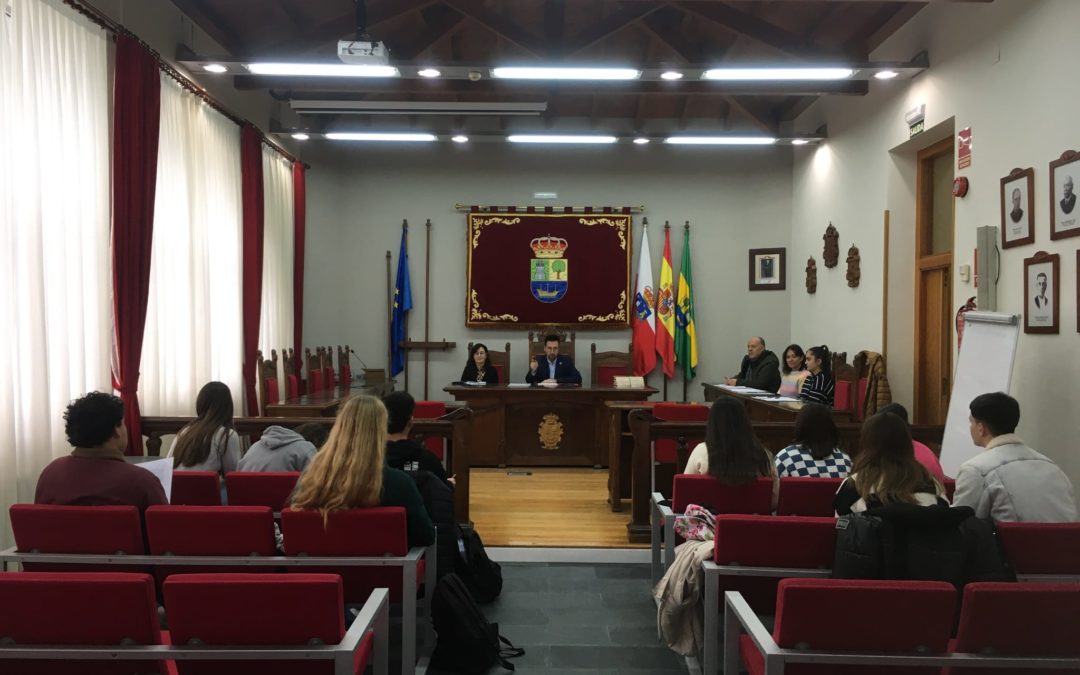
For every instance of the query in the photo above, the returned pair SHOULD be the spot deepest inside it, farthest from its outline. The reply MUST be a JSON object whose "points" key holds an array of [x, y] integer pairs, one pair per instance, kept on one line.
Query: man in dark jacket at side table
{"points": [[759, 369]]}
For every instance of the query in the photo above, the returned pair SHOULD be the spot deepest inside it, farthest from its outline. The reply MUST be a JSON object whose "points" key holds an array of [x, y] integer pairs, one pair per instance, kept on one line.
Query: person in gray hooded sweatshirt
{"points": [[282, 449]]}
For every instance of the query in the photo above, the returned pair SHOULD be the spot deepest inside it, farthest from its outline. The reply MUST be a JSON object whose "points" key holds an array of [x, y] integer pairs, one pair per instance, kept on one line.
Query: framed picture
{"points": [[1018, 208], [1064, 210], [1041, 296], [768, 269]]}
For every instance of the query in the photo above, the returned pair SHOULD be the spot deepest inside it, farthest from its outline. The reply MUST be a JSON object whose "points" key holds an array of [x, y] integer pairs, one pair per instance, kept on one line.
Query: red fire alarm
{"points": [[960, 186]]}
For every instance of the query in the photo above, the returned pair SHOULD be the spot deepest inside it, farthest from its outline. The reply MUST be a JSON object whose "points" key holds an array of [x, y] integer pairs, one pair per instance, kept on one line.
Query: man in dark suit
{"points": [[1068, 200], [550, 367]]}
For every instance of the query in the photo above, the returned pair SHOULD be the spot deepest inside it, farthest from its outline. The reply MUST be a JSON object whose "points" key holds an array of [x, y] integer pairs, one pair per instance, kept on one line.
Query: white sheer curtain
{"points": [[54, 233], [193, 321], [276, 316]]}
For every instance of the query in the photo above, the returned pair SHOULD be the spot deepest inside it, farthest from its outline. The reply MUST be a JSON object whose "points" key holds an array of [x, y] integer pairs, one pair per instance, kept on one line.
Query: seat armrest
{"points": [[738, 617], [374, 616]]}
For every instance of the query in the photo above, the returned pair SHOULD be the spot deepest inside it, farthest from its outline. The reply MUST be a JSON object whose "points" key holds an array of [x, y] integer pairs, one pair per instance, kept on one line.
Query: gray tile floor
{"points": [[579, 619]]}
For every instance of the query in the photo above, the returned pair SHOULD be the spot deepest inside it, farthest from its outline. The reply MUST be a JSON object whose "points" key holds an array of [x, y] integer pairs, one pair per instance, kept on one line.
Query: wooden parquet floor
{"points": [[557, 507]]}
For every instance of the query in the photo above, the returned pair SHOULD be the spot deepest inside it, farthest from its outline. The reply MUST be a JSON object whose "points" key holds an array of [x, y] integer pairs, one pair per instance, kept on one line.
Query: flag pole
{"points": [[686, 229], [427, 301], [663, 375], [405, 315], [389, 319]]}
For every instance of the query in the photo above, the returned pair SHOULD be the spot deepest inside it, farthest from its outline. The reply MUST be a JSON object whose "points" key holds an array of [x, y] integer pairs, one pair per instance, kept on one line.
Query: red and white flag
{"points": [[644, 317]]}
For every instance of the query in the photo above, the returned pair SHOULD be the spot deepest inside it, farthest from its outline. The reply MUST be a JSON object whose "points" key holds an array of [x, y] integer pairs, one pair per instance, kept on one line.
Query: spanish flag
{"points": [[685, 333], [665, 310]]}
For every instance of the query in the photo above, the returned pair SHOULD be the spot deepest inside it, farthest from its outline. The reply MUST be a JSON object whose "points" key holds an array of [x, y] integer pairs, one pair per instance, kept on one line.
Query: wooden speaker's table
{"points": [[761, 409], [324, 403], [540, 426]]}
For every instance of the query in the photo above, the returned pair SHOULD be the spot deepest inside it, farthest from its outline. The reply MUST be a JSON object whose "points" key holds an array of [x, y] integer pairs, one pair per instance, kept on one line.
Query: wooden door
{"points": [[933, 289]]}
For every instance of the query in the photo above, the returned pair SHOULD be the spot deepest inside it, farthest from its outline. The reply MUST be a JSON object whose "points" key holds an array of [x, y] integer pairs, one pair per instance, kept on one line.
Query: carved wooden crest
{"points": [[811, 275], [831, 254], [853, 271], [550, 432]]}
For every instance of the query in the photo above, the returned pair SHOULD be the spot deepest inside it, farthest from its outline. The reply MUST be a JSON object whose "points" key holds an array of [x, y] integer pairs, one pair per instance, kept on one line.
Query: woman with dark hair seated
{"points": [[731, 453], [479, 368], [818, 387], [209, 443], [793, 371], [814, 452]]}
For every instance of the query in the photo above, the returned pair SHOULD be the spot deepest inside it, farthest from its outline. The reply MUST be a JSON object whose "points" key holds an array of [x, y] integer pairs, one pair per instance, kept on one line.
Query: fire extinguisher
{"points": [[968, 306]]}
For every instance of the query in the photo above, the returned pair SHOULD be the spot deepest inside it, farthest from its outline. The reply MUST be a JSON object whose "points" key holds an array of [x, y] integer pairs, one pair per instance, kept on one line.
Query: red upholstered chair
{"points": [[430, 410], [269, 385], [104, 530], [344, 367], [208, 531], [315, 379], [665, 450], [78, 609], [846, 387], [268, 610], [777, 546], [1019, 620], [196, 488], [260, 488], [807, 496], [755, 498], [292, 373], [606, 366], [328, 368], [909, 617], [1042, 548]]}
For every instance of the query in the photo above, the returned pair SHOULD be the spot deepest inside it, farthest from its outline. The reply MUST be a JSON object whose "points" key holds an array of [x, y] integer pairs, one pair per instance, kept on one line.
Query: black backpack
{"points": [[480, 573], [467, 642]]}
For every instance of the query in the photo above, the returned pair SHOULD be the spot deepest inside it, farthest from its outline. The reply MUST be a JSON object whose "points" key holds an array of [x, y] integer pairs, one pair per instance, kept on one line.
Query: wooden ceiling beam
{"points": [[761, 117], [212, 24], [884, 23], [500, 25], [757, 29], [554, 23], [449, 22], [344, 24], [673, 38], [612, 23]]}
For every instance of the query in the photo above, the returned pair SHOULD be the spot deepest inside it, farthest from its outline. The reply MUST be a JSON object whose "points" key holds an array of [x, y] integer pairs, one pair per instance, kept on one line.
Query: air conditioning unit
{"points": [[357, 52]]}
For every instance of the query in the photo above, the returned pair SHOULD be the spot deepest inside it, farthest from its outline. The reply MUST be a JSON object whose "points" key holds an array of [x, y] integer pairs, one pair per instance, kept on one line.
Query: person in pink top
{"points": [[923, 454]]}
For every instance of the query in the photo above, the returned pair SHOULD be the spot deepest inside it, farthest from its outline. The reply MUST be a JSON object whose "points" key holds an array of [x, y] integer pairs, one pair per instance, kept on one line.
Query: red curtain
{"points": [[299, 223], [252, 198], [136, 116]]}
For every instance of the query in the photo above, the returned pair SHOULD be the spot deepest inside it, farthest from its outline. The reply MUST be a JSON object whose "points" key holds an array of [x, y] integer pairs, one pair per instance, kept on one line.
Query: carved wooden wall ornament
{"points": [[853, 271], [831, 255], [811, 276]]}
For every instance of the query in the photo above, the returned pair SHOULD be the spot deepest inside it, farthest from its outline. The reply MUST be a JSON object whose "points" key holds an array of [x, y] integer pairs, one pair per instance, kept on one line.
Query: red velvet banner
{"points": [[525, 270]]}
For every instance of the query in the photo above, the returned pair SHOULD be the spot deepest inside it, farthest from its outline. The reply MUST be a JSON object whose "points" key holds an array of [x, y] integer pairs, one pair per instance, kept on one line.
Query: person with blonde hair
{"points": [[350, 471]]}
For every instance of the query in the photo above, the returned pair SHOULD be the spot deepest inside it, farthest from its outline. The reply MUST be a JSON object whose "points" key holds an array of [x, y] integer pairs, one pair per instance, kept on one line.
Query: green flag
{"points": [[685, 333]]}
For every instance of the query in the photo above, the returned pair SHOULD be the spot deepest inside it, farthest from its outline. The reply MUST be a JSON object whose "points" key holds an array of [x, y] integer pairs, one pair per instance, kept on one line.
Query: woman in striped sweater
{"points": [[819, 386]]}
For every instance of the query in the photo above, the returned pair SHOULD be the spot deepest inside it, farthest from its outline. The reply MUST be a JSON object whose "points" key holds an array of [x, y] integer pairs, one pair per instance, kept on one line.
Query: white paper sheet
{"points": [[162, 470]]}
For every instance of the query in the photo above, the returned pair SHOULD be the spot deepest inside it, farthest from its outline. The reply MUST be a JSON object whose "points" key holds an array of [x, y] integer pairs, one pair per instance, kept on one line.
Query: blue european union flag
{"points": [[402, 304]]}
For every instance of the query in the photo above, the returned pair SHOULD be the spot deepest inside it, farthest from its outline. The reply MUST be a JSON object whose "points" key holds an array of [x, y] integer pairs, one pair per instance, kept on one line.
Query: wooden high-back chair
{"points": [[607, 365], [500, 361], [291, 366], [344, 367], [313, 365], [846, 382], [566, 341], [269, 382], [329, 376]]}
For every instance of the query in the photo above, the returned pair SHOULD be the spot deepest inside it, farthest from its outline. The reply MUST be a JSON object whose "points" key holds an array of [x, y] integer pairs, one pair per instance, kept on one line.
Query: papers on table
{"points": [[777, 399], [475, 384], [518, 385], [739, 389], [162, 470]]}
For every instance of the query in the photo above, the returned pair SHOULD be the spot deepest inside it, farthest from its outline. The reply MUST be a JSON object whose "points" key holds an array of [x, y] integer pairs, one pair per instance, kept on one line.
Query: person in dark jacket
{"points": [[403, 452], [759, 369], [479, 368], [439, 502]]}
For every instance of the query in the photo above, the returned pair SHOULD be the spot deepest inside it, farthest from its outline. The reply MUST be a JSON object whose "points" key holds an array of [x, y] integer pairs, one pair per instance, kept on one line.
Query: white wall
{"points": [[1002, 70], [734, 199]]}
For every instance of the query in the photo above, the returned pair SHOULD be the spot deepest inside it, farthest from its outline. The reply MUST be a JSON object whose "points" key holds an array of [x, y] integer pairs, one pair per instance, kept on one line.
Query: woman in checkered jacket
{"points": [[815, 453]]}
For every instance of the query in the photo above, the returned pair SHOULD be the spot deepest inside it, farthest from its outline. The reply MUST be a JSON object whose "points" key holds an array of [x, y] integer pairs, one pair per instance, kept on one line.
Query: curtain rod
{"points": [[473, 208], [96, 16]]}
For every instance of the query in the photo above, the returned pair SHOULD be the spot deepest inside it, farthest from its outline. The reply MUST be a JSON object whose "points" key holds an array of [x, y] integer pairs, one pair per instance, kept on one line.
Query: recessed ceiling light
{"points": [[799, 141], [778, 74], [720, 140], [544, 73], [641, 141], [460, 139], [322, 70], [544, 138], [886, 74], [301, 136], [355, 136], [215, 68], [428, 72], [671, 75]]}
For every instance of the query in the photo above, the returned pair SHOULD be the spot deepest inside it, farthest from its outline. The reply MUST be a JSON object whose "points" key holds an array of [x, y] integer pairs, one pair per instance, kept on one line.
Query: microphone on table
{"points": [[353, 352]]}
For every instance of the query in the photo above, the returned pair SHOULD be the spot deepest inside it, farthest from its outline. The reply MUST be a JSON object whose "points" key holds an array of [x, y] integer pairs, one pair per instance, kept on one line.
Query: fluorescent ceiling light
{"points": [[543, 73], [545, 138], [215, 68], [778, 74], [428, 72], [671, 75], [799, 141], [886, 74], [322, 70], [460, 139], [416, 108], [641, 141], [301, 136], [355, 136], [720, 140]]}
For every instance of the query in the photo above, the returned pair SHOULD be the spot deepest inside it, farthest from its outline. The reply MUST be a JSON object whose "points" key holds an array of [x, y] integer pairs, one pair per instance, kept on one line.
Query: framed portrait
{"points": [[768, 269], [1064, 209], [1018, 208], [1041, 292]]}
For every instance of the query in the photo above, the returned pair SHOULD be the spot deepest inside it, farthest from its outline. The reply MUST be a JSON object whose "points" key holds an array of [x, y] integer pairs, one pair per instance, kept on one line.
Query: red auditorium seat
{"points": [[807, 496], [105, 530], [209, 531], [78, 609], [260, 488], [196, 488], [431, 410], [1042, 549], [259, 609], [900, 617], [665, 450]]}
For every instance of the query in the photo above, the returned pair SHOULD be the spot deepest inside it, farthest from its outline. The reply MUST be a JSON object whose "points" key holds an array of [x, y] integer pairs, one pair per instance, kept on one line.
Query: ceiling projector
{"points": [[363, 53]]}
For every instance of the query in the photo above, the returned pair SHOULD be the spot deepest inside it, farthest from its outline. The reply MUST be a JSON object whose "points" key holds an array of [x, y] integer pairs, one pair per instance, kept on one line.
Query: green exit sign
{"points": [[916, 129]]}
